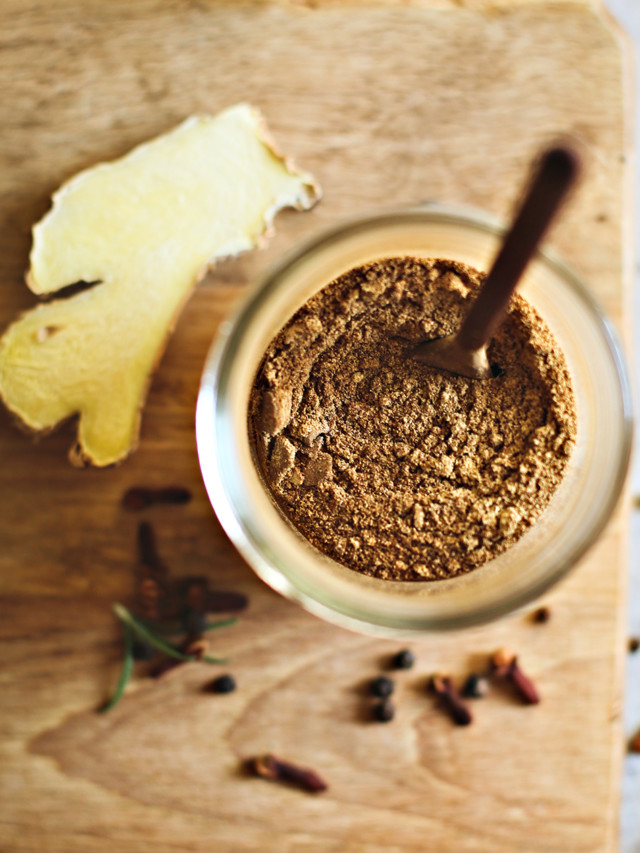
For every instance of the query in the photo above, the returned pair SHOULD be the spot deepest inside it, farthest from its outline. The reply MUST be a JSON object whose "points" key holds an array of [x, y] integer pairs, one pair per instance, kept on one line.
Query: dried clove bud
{"points": [[151, 591], [148, 551], [135, 499], [451, 699], [224, 601], [195, 622], [195, 591], [195, 646], [141, 497], [270, 767], [196, 594], [504, 664]]}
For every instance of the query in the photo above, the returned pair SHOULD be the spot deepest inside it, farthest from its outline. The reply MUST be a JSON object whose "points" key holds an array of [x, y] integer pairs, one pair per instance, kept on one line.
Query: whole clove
{"points": [[196, 594], [194, 622], [194, 591], [136, 498], [270, 767], [504, 664], [196, 647], [148, 551], [457, 709], [142, 497], [225, 601], [151, 592]]}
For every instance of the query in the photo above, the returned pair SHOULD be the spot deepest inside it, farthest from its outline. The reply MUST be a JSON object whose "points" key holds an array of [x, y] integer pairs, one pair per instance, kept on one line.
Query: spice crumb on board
{"points": [[541, 615]]}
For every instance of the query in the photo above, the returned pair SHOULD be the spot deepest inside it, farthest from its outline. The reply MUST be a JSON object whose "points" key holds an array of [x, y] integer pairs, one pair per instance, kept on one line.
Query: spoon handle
{"points": [[558, 170]]}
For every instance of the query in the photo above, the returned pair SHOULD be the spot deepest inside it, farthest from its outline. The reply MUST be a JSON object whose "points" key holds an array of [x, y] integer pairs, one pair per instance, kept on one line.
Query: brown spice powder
{"points": [[393, 468]]}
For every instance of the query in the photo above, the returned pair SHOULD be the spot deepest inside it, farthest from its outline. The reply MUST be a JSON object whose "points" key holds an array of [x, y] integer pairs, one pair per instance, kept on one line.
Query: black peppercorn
{"points": [[475, 687], [634, 644], [383, 711], [403, 660], [382, 687], [223, 684]]}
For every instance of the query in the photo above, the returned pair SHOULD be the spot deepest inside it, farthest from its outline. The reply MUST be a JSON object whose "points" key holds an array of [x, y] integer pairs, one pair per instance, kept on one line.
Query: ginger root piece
{"points": [[146, 227]]}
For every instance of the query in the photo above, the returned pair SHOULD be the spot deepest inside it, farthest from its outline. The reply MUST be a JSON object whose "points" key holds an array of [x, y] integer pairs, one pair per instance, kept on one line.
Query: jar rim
{"points": [[227, 345]]}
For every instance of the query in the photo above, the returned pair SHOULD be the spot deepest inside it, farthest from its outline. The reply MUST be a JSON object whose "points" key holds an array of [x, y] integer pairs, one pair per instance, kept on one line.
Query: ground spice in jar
{"points": [[393, 468]]}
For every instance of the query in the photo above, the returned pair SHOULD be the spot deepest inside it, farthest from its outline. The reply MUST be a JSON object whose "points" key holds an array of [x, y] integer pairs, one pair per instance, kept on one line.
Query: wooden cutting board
{"points": [[387, 104]]}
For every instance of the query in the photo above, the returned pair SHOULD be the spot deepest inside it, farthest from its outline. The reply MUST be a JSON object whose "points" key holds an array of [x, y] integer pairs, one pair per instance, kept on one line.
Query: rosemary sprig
{"points": [[220, 623], [175, 629], [130, 626], [125, 672], [159, 628], [144, 634]]}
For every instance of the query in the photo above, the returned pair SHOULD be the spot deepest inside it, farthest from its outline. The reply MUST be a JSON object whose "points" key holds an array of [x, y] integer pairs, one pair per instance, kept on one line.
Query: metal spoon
{"points": [[465, 351]]}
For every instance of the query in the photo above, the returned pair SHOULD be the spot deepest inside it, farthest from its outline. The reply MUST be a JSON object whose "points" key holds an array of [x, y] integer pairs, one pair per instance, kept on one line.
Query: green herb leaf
{"points": [[125, 673], [128, 619], [221, 623], [175, 629]]}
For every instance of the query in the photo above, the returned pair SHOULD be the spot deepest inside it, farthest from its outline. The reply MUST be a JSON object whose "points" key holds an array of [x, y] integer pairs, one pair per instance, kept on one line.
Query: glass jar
{"points": [[571, 523]]}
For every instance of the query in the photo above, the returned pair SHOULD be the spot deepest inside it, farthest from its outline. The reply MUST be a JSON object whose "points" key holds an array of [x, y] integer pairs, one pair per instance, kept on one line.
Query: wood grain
{"points": [[386, 104]]}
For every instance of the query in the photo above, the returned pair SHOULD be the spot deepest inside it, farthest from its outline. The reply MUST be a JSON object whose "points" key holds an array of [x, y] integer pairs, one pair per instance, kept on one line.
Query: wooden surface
{"points": [[385, 104]]}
